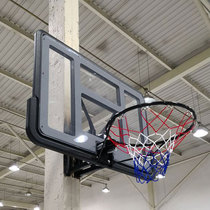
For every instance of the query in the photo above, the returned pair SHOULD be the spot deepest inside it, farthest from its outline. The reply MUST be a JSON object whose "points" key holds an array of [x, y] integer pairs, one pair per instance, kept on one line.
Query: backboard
{"points": [[90, 96]]}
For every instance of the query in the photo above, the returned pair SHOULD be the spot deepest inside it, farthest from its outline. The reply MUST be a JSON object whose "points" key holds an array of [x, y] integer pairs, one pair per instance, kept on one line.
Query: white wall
{"points": [[193, 193], [123, 196]]}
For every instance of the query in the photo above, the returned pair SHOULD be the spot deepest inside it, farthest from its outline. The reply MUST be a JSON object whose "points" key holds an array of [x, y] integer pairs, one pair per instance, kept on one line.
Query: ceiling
{"points": [[170, 39]]}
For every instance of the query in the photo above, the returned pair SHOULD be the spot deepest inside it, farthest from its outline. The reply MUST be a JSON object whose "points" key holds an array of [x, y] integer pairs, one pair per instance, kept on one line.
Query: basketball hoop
{"points": [[162, 126]]}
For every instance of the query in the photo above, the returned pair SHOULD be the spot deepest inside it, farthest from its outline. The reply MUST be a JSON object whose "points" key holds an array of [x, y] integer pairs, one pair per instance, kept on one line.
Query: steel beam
{"points": [[15, 112], [18, 204], [196, 88], [10, 134], [22, 188], [86, 185], [15, 28], [138, 190], [20, 194], [181, 182], [24, 182], [2, 122], [27, 171], [203, 13], [96, 181], [101, 177], [18, 191], [124, 32], [6, 151], [188, 159], [15, 78], [29, 12], [23, 162], [24, 144], [182, 70], [88, 176]]}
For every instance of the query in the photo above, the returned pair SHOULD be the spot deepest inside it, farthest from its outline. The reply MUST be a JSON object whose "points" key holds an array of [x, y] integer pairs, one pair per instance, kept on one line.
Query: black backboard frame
{"points": [[35, 128]]}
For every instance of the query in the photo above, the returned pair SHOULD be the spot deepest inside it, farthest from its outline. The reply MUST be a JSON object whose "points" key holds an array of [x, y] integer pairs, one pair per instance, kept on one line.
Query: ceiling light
{"points": [[1, 204], [14, 168], [36, 208], [105, 189], [81, 139], [148, 98], [160, 176], [28, 193], [200, 131]]}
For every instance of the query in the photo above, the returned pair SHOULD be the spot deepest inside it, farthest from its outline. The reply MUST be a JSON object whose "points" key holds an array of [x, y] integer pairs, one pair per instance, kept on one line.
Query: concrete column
{"points": [[41, 206], [61, 193], [151, 196]]}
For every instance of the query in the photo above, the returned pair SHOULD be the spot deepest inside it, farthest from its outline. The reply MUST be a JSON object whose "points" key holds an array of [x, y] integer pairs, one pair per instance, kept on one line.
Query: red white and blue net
{"points": [[149, 133]]}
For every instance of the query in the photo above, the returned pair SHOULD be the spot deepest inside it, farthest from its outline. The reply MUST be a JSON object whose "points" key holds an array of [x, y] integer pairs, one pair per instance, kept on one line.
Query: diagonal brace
{"points": [[24, 144]]}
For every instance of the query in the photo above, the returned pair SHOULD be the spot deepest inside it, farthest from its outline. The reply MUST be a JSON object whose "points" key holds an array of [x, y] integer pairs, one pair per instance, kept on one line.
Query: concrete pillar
{"points": [[151, 195], [41, 206], [61, 193]]}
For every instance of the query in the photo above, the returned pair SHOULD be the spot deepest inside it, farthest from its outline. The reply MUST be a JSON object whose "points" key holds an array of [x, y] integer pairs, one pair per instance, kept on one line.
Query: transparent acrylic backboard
{"points": [[72, 101]]}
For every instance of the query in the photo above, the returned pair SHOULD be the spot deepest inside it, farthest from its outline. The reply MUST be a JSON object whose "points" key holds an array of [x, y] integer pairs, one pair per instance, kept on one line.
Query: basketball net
{"points": [[150, 147]]}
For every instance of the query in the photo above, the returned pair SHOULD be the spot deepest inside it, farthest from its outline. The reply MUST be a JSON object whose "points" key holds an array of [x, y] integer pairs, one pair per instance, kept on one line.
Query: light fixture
{"points": [[200, 130], [160, 176], [1, 204], [81, 139], [36, 208], [148, 98], [14, 168], [105, 189], [28, 193]]}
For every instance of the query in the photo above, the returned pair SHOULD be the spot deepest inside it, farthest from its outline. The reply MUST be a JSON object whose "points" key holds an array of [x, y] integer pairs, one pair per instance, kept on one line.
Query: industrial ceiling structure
{"points": [[166, 42]]}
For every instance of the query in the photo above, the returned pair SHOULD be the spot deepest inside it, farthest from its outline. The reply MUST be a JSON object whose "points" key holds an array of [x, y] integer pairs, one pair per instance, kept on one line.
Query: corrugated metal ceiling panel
{"points": [[16, 54], [24, 19], [11, 118], [166, 26], [120, 53], [201, 77], [13, 94]]}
